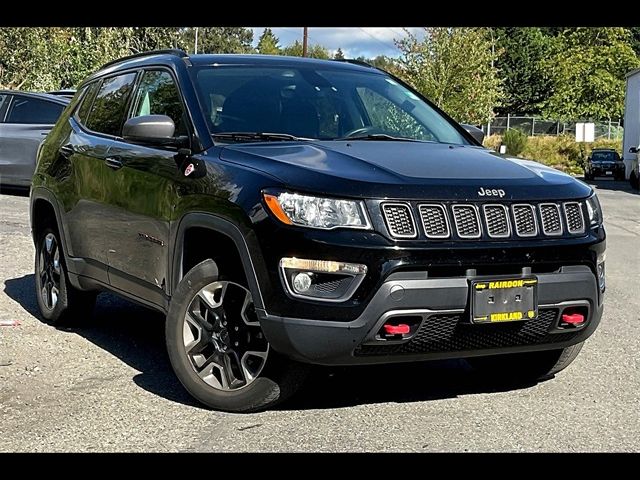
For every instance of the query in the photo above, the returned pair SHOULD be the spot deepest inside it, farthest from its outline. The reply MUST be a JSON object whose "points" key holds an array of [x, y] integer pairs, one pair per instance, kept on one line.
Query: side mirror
{"points": [[634, 150], [150, 130], [474, 131]]}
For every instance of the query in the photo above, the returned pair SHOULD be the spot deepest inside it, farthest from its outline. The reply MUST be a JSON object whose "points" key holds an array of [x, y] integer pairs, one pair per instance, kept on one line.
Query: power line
{"points": [[377, 39]]}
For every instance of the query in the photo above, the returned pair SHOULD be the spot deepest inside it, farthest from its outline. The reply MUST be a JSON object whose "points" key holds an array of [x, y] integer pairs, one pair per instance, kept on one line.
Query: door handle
{"points": [[66, 151], [113, 162]]}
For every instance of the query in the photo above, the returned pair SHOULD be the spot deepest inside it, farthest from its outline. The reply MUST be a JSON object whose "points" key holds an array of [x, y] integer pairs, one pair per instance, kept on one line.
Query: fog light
{"points": [[323, 280], [301, 282]]}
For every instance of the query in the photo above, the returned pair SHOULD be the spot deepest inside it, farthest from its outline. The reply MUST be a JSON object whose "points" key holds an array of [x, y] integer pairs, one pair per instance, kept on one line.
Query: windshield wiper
{"points": [[253, 136], [380, 136]]}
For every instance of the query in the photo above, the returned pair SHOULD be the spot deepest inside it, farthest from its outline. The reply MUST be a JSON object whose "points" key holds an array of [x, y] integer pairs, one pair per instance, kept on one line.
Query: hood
{"points": [[381, 169]]}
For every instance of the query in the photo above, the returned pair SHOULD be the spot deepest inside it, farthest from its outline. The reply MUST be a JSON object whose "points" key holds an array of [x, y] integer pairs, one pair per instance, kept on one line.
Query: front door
{"points": [[145, 194]]}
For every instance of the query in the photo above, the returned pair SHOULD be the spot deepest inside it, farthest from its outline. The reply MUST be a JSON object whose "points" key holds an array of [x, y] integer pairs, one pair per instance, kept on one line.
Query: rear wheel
{"points": [[59, 302], [526, 366], [217, 348]]}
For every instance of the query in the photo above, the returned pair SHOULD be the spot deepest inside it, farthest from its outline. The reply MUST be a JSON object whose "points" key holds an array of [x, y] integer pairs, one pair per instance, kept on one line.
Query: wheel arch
{"points": [[43, 202], [211, 224]]}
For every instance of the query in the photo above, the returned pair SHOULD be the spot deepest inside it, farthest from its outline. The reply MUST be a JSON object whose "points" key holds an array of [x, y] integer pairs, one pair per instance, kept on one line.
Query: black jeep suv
{"points": [[287, 211], [604, 162]]}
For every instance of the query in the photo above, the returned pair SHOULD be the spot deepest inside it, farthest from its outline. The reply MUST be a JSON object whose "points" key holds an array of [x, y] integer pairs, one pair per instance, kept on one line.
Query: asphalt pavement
{"points": [[108, 385]]}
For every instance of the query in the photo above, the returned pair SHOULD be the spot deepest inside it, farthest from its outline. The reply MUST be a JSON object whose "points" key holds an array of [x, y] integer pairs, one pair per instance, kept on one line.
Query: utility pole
{"points": [[195, 47], [304, 41]]}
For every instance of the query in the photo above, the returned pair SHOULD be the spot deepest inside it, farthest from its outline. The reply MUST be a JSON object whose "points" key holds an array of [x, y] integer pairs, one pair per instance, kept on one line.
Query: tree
{"points": [[313, 51], [454, 68], [268, 43], [521, 53], [635, 39], [339, 55], [218, 39], [588, 69]]}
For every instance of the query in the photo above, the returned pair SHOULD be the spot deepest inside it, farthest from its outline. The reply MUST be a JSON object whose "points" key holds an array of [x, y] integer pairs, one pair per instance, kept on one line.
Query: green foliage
{"points": [[268, 43], [217, 39], [48, 58], [454, 68], [515, 140], [588, 68], [521, 52], [339, 55], [561, 152], [313, 51]]}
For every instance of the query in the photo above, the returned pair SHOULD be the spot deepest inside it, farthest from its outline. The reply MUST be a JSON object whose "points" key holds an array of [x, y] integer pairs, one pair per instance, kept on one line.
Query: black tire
{"points": [[530, 366], [72, 306], [633, 180], [588, 177], [279, 378]]}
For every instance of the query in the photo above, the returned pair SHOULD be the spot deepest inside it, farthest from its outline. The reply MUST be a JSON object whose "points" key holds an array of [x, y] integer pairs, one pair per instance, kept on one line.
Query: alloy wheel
{"points": [[50, 271], [222, 337]]}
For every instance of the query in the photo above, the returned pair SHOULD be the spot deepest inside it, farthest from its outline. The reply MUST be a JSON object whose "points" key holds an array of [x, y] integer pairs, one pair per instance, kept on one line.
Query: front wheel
{"points": [[217, 348], [529, 366]]}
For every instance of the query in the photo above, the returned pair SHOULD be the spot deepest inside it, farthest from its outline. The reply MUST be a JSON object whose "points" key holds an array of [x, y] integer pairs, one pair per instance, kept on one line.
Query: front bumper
{"points": [[604, 171], [444, 331]]}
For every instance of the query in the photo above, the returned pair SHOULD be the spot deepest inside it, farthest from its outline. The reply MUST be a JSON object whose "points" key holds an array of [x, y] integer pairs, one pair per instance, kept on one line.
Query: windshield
{"points": [[609, 156], [316, 103]]}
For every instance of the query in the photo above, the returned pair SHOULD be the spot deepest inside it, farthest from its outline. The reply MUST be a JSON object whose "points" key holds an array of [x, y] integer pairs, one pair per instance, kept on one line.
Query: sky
{"points": [[354, 41]]}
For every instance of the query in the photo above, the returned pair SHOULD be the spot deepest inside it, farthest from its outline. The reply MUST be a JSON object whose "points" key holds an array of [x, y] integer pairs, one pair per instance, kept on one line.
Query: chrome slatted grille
{"points": [[399, 220], [434, 221], [467, 221], [524, 217], [551, 222], [497, 221], [573, 215]]}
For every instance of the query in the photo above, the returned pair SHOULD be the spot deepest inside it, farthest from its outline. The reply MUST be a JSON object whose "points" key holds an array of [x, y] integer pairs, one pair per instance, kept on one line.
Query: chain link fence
{"points": [[532, 126]]}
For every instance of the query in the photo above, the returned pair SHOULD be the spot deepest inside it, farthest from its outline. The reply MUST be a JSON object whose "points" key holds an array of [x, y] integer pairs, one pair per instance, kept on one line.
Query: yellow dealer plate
{"points": [[504, 300]]}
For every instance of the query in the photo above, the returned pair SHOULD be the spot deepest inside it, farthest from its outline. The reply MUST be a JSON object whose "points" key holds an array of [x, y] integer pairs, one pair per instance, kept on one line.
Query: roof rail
{"points": [[168, 51], [362, 63]]}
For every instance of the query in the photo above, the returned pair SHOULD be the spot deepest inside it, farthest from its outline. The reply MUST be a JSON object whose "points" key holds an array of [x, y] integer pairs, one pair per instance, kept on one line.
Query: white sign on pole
{"points": [[585, 132]]}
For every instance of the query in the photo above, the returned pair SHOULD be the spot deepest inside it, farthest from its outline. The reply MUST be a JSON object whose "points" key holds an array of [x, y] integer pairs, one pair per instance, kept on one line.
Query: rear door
{"points": [[95, 124], [145, 193], [27, 120]]}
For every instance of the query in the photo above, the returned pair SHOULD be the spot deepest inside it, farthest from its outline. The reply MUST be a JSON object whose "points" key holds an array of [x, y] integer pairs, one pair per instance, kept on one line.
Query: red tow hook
{"points": [[401, 329], [573, 318]]}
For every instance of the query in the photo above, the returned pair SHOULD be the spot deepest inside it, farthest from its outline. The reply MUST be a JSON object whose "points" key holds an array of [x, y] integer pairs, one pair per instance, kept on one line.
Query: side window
{"points": [[82, 112], [107, 113], [158, 94], [390, 118], [34, 111], [4, 102]]}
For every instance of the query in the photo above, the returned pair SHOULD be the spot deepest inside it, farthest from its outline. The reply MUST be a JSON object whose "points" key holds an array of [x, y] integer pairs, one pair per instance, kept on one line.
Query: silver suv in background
{"points": [[25, 120]]}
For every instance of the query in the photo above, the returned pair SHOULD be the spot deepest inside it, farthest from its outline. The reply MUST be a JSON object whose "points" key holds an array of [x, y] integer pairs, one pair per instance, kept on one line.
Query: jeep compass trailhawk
{"points": [[289, 211]]}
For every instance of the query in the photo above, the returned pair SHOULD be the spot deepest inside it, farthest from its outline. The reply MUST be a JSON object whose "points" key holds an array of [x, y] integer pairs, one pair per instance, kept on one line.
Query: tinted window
{"points": [[4, 101], [108, 109], [158, 95], [316, 102], [82, 113], [33, 110], [605, 156]]}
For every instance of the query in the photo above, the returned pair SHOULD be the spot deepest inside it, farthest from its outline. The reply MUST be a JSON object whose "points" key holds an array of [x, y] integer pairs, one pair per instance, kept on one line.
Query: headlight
{"points": [[594, 210], [317, 212]]}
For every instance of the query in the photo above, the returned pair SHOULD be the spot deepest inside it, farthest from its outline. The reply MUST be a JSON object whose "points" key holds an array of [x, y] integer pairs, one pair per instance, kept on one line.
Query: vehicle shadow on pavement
{"points": [[132, 333], [17, 191], [135, 335]]}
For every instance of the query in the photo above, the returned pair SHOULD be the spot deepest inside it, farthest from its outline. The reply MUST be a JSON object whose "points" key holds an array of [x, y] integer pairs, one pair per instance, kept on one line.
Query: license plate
{"points": [[504, 300], [609, 172]]}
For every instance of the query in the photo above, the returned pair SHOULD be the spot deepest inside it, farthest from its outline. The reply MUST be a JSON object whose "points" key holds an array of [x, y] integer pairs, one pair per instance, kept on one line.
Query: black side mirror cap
{"points": [[474, 131], [150, 130], [634, 150]]}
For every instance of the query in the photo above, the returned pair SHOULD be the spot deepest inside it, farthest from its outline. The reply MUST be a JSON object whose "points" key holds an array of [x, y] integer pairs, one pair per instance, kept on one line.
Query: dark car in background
{"points": [[25, 120], [604, 162]]}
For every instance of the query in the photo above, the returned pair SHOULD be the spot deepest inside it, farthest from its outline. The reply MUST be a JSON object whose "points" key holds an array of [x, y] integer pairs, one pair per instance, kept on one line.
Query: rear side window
{"points": [[4, 101], [82, 113], [33, 111], [109, 106], [158, 94]]}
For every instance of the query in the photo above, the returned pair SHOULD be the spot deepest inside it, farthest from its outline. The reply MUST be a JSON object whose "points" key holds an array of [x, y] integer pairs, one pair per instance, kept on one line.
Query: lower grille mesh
{"points": [[446, 333]]}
